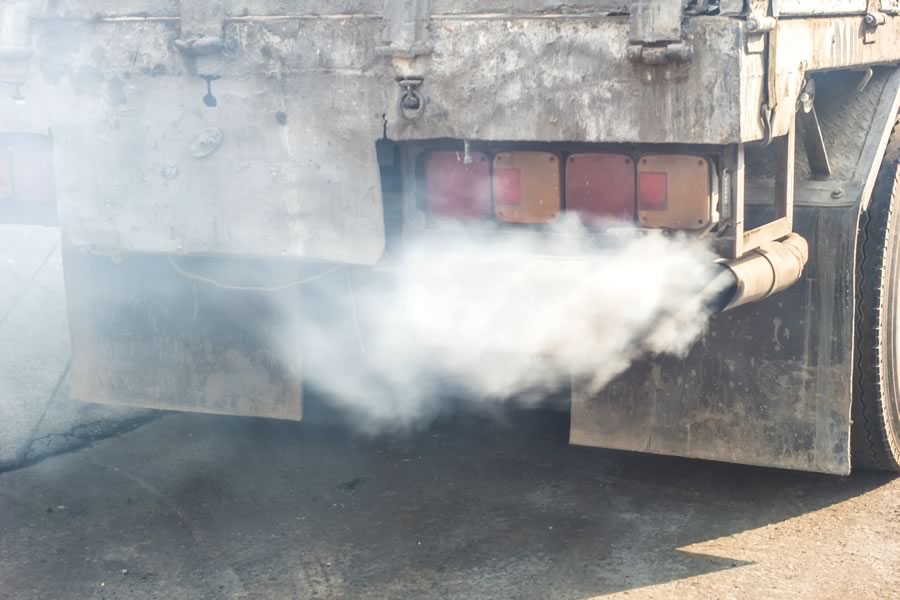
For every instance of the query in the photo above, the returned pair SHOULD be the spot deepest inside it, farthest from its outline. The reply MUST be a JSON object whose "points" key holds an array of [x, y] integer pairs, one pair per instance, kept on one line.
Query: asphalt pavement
{"points": [[196, 506]]}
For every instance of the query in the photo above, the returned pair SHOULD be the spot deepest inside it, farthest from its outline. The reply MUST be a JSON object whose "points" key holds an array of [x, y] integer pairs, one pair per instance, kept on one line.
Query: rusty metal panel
{"points": [[145, 335], [656, 21], [282, 165], [769, 384], [571, 80], [818, 7], [524, 7]]}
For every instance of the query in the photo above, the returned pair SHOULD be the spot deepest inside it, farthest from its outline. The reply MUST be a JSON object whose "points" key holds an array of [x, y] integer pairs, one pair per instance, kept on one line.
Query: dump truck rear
{"points": [[175, 139]]}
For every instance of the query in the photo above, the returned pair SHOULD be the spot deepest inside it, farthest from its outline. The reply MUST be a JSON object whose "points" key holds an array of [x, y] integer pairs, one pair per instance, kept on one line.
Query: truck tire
{"points": [[875, 435]]}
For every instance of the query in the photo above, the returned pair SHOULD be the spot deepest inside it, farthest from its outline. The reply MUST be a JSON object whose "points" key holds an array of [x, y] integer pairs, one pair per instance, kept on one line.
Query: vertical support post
{"points": [[785, 157], [731, 244]]}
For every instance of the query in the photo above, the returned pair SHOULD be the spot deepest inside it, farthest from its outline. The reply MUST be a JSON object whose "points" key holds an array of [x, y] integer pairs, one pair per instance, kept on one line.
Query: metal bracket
{"points": [[202, 40], [872, 21], [406, 34], [811, 133], [412, 103], [758, 25], [656, 36]]}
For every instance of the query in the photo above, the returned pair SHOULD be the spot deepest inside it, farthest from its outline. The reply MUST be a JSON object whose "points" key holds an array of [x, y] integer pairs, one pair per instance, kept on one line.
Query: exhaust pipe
{"points": [[763, 272]]}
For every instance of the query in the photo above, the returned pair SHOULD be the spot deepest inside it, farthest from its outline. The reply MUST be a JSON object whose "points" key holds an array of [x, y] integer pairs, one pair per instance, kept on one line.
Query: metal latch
{"points": [[656, 36], [15, 46], [412, 103], [202, 39]]}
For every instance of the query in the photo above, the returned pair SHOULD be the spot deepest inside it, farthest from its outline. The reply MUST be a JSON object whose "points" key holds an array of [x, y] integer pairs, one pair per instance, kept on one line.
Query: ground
{"points": [[37, 418], [195, 506]]}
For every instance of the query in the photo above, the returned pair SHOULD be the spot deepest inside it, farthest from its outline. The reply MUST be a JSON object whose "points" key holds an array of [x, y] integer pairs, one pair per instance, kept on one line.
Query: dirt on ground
{"points": [[193, 506]]}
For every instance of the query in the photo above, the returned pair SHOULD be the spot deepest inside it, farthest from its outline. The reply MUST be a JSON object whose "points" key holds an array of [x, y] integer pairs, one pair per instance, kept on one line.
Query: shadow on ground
{"points": [[194, 506]]}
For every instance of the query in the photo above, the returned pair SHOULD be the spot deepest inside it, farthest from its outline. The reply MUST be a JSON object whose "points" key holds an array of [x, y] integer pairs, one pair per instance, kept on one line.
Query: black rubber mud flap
{"points": [[145, 334], [769, 384], [876, 390]]}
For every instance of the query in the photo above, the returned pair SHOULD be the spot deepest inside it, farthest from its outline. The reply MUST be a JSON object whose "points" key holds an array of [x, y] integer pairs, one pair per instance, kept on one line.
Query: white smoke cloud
{"points": [[500, 319]]}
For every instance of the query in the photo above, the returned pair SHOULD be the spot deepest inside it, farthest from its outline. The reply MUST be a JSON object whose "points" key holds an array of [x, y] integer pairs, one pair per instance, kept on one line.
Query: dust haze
{"points": [[497, 320]]}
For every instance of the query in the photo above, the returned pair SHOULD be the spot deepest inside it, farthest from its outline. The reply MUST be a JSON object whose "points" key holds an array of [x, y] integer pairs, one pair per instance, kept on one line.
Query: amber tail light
{"points": [[527, 187], [674, 191]]}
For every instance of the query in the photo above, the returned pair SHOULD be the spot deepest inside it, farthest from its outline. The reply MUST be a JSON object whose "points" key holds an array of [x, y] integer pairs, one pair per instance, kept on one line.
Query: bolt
{"points": [[837, 193]]}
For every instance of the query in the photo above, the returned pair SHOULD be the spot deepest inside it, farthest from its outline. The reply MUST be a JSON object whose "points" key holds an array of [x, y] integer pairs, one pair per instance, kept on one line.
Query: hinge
{"points": [[758, 25], [656, 35], [872, 21], [15, 45], [202, 39], [406, 34]]}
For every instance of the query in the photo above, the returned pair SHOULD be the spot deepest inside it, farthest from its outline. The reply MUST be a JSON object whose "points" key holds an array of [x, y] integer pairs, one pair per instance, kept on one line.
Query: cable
{"points": [[245, 288]]}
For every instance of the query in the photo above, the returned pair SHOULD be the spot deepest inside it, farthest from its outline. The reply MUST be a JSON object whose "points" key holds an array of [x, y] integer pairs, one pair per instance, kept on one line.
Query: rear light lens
{"points": [[527, 187], [674, 191], [600, 187], [458, 190]]}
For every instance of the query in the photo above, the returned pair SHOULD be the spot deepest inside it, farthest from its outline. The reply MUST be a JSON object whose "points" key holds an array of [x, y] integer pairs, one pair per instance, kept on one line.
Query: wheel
{"points": [[875, 435]]}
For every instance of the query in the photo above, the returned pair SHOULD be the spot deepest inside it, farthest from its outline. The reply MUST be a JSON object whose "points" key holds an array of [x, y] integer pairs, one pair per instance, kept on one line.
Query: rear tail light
{"points": [[458, 190], [675, 191], [600, 187], [527, 187]]}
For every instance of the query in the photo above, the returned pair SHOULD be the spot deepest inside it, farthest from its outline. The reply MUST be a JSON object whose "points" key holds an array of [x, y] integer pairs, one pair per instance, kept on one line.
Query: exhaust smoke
{"points": [[498, 320]]}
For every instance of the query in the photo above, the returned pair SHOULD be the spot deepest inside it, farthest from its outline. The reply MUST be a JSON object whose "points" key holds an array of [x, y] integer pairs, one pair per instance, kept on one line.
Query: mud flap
{"points": [[145, 335], [769, 384]]}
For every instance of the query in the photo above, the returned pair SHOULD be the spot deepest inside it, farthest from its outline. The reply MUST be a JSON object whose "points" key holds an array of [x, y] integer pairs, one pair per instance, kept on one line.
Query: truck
{"points": [[176, 140]]}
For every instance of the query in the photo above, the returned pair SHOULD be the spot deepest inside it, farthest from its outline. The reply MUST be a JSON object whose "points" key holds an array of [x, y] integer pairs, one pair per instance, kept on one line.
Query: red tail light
{"points": [[527, 187], [458, 190], [675, 191], [654, 191], [600, 187]]}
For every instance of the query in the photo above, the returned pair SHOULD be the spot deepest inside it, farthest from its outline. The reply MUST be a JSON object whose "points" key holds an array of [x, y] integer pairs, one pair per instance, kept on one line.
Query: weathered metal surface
{"points": [[570, 80], [770, 383], [818, 7], [145, 335], [277, 168], [807, 45], [653, 21]]}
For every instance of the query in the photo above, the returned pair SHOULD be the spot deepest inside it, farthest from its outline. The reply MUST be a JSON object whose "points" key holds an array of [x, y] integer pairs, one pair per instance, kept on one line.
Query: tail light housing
{"points": [[600, 187], [527, 187], [457, 188], [675, 191]]}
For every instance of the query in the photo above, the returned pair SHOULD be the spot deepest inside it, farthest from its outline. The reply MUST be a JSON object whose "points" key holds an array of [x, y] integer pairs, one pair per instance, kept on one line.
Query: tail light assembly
{"points": [[675, 191], [458, 187], [663, 191], [526, 187], [600, 187]]}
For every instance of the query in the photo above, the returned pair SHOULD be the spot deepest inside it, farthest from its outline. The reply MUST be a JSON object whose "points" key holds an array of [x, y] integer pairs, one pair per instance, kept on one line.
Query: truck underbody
{"points": [[183, 139]]}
